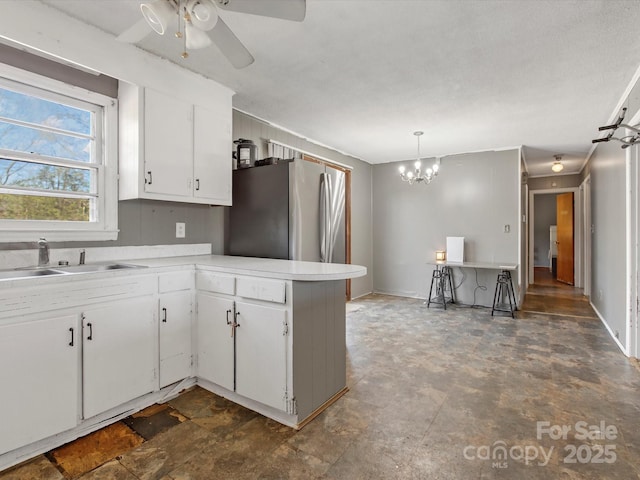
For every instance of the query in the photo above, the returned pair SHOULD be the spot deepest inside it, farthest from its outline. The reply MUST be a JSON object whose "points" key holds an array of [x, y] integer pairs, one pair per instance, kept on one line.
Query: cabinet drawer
{"points": [[175, 281], [261, 289], [216, 282]]}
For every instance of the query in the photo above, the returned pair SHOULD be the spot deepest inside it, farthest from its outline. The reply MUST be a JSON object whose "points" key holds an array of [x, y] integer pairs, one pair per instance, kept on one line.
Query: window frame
{"points": [[106, 166]]}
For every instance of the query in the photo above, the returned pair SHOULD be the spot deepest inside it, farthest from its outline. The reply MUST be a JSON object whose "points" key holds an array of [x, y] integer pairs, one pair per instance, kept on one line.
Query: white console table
{"points": [[504, 283]]}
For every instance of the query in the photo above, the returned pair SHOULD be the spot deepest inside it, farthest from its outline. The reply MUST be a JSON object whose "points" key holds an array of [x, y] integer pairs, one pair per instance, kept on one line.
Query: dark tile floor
{"points": [[433, 395]]}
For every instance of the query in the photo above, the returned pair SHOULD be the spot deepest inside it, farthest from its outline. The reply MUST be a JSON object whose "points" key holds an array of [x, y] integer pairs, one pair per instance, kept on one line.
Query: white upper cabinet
{"points": [[212, 156], [173, 150], [168, 145]]}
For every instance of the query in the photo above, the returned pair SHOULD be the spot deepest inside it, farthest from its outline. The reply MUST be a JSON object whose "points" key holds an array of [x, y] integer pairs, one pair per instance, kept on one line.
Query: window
{"points": [[58, 174]]}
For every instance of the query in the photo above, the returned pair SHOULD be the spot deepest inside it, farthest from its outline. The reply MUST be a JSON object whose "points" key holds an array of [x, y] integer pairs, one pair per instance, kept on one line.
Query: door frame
{"points": [[633, 247], [347, 210], [585, 194], [577, 232]]}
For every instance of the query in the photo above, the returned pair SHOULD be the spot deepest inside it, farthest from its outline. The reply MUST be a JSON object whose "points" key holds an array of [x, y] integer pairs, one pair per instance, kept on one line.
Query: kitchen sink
{"points": [[35, 272], [96, 267], [29, 272]]}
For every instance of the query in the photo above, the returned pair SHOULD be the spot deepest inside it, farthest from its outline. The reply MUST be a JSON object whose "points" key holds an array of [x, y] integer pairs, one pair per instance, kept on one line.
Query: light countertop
{"points": [[261, 267]]}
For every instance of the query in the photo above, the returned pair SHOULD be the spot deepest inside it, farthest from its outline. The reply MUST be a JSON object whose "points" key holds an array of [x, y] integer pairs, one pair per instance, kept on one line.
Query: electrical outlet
{"points": [[507, 228], [180, 230]]}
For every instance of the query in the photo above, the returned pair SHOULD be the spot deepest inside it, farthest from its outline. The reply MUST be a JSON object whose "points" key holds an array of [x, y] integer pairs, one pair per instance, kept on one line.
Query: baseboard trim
{"points": [[606, 325]]}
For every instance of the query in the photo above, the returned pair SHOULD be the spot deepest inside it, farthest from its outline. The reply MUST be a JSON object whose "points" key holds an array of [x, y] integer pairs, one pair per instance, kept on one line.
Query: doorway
{"points": [[543, 208]]}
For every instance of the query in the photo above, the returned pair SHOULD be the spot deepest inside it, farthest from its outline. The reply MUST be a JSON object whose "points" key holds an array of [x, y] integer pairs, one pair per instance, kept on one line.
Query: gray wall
{"points": [[554, 181], [474, 196], [608, 206], [608, 211], [26, 61], [545, 216], [246, 126]]}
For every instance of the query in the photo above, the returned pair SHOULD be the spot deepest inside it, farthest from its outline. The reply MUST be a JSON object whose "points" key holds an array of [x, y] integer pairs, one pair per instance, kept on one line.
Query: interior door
{"points": [[564, 219]]}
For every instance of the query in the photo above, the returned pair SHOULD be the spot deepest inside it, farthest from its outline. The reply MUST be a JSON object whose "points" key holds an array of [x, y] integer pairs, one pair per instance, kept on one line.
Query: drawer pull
{"points": [[71, 342], [90, 325]]}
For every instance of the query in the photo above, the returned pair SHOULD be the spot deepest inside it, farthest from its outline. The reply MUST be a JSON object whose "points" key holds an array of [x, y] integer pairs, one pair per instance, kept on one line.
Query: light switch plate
{"points": [[180, 230]]}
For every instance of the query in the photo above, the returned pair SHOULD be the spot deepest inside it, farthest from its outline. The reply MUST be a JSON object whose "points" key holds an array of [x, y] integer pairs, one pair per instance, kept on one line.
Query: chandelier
{"points": [[416, 175]]}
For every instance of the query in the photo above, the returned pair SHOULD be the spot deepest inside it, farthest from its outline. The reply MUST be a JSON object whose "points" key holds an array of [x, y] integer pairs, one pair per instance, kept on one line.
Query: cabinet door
{"points": [[168, 145], [175, 337], [215, 343], [39, 368], [120, 353], [212, 155], [261, 354]]}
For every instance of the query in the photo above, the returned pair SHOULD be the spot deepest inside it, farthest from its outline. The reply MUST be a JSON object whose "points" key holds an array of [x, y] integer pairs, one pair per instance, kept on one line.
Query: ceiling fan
{"points": [[198, 23]]}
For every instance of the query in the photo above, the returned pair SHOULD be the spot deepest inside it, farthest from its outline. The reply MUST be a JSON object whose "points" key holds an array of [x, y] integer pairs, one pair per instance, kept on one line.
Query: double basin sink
{"points": [[63, 270]]}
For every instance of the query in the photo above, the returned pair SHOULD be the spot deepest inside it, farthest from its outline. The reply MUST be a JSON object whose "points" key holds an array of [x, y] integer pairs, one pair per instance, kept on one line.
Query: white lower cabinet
{"points": [[120, 353], [39, 372], [215, 340], [261, 353], [175, 337], [248, 357]]}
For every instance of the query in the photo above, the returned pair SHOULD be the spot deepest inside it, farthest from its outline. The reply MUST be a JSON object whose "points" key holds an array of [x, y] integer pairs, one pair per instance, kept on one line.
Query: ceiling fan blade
{"points": [[135, 32], [230, 46], [286, 9]]}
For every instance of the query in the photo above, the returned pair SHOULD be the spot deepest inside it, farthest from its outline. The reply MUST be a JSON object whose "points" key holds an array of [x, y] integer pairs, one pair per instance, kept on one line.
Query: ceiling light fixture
{"points": [[557, 166], [157, 13], [416, 175]]}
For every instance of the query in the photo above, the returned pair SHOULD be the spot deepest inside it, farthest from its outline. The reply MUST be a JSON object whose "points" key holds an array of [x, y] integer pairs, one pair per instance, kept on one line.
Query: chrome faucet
{"points": [[43, 252]]}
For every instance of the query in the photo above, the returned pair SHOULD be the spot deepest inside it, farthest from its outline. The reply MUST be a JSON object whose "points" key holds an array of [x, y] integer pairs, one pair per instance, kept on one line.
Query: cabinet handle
{"points": [[150, 178], [228, 321], [164, 315], [71, 342], [235, 323], [90, 337], [197, 184]]}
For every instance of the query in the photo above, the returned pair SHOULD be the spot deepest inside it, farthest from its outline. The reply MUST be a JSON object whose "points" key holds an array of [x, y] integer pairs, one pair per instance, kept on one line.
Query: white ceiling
{"points": [[361, 76]]}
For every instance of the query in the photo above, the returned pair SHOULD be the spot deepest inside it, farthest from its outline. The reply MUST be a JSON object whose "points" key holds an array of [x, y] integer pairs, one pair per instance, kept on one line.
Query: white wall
{"points": [[474, 196], [246, 126]]}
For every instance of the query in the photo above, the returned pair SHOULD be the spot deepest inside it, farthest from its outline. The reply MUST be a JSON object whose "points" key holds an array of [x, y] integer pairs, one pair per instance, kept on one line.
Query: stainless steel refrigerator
{"points": [[291, 210]]}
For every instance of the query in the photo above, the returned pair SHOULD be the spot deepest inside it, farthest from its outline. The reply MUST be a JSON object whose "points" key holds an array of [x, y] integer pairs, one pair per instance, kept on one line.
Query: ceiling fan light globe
{"points": [[157, 13], [203, 14]]}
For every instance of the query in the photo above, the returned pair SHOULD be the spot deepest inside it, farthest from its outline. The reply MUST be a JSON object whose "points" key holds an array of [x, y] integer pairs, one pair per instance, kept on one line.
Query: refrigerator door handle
{"points": [[325, 218]]}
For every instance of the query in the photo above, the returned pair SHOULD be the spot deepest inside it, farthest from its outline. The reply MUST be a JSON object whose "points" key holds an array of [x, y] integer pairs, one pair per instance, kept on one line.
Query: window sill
{"points": [[58, 235]]}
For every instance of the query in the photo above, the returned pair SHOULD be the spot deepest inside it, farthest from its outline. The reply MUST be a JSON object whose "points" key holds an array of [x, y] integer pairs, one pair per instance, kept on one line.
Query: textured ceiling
{"points": [[362, 75]]}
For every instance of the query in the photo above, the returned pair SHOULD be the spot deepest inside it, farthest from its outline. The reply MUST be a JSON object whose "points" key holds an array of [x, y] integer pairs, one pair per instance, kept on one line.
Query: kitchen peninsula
{"points": [[267, 334]]}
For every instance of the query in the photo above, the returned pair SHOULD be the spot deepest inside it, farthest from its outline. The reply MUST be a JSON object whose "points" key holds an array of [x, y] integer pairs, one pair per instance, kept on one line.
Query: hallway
{"points": [[547, 295]]}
